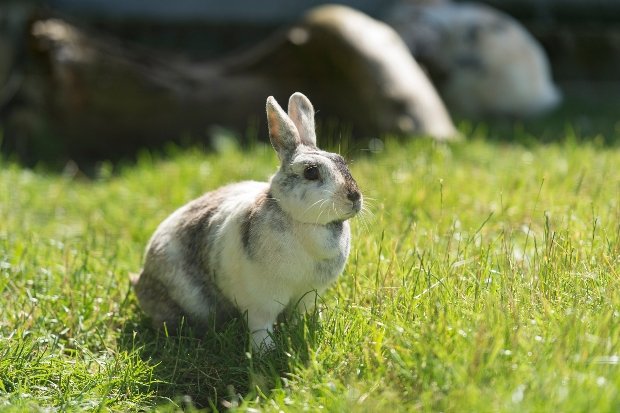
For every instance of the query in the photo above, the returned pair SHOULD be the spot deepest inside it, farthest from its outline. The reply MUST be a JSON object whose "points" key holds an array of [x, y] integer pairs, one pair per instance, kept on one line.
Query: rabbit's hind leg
{"points": [[156, 302]]}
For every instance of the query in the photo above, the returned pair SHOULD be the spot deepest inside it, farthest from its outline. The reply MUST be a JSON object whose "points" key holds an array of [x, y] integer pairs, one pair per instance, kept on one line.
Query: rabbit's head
{"points": [[312, 186]]}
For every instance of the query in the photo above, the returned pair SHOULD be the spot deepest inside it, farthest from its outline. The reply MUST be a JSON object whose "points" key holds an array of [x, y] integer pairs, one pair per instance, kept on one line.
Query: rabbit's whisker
{"points": [[321, 210], [312, 205]]}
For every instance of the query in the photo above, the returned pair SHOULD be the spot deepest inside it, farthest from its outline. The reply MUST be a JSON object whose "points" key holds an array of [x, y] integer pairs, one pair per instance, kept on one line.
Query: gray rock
{"points": [[483, 61]]}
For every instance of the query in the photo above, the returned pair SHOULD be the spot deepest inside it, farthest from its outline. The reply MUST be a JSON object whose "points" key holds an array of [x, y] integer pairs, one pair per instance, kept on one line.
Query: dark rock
{"points": [[87, 96]]}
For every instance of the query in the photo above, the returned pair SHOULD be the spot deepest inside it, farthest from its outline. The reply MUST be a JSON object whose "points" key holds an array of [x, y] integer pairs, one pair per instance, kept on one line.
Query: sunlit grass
{"points": [[484, 278]]}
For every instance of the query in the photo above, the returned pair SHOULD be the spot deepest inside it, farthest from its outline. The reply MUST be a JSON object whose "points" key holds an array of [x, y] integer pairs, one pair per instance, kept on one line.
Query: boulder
{"points": [[88, 96], [482, 61]]}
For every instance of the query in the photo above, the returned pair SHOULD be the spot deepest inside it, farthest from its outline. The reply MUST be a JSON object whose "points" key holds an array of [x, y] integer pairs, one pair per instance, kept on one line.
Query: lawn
{"points": [[483, 280]]}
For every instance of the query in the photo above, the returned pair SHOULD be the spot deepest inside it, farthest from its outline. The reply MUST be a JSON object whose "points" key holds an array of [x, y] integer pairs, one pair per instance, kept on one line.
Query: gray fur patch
{"points": [[194, 234], [343, 169], [197, 238], [340, 164], [247, 231], [328, 270], [264, 213], [290, 182], [335, 228], [278, 220], [155, 301]]}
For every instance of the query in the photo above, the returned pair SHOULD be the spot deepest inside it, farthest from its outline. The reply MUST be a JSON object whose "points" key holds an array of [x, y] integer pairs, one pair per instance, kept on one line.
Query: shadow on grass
{"points": [[216, 369], [588, 113]]}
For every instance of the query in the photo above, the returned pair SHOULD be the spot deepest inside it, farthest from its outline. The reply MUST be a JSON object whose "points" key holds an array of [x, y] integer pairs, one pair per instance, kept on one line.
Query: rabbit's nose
{"points": [[354, 196]]}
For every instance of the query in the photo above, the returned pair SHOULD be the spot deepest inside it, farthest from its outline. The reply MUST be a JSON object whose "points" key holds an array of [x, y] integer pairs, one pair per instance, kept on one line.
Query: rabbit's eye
{"points": [[311, 173]]}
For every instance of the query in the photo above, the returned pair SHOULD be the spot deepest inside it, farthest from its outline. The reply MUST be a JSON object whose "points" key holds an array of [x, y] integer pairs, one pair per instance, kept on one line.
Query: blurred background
{"points": [[101, 79]]}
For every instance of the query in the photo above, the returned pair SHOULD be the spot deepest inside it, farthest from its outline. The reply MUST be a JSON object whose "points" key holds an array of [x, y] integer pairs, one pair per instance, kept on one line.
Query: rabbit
{"points": [[255, 248]]}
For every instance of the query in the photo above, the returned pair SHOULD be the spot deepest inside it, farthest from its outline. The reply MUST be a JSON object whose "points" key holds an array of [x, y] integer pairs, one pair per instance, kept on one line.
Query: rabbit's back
{"points": [[184, 256]]}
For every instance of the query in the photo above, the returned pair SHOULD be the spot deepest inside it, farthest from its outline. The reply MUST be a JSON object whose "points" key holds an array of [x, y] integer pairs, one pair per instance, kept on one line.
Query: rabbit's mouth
{"points": [[355, 208], [355, 197]]}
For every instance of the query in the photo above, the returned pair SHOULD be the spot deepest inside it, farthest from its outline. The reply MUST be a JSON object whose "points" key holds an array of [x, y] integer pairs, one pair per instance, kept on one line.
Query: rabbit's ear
{"points": [[282, 131], [301, 113]]}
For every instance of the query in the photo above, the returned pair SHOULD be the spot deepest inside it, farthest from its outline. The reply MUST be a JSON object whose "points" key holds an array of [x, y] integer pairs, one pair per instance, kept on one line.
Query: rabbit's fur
{"points": [[256, 247]]}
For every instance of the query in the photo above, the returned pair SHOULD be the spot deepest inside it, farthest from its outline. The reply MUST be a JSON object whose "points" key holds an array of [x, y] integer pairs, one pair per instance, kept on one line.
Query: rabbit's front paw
{"points": [[262, 342]]}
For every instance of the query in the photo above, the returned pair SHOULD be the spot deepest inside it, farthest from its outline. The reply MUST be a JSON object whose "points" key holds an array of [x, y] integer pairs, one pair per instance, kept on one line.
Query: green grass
{"points": [[485, 280]]}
